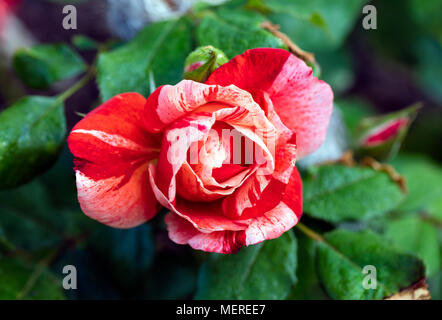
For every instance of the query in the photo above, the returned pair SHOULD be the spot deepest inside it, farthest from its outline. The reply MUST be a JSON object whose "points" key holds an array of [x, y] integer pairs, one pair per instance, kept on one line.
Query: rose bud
{"points": [[380, 137], [202, 62]]}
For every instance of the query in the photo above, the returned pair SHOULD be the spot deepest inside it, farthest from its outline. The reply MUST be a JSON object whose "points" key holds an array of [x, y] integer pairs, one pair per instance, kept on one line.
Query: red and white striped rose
{"points": [[134, 155]]}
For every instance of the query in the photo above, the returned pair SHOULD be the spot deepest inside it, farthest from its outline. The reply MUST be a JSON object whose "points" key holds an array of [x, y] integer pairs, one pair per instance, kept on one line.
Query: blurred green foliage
{"points": [[43, 65]]}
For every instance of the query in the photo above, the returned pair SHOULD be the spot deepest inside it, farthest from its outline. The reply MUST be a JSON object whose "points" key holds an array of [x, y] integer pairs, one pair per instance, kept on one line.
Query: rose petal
{"points": [[303, 102], [112, 150], [205, 216], [282, 217], [193, 128], [169, 103], [182, 232], [190, 186], [270, 225], [263, 191]]}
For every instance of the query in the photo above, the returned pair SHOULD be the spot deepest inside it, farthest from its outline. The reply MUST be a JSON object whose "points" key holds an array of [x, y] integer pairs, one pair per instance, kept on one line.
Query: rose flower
{"points": [[219, 155]]}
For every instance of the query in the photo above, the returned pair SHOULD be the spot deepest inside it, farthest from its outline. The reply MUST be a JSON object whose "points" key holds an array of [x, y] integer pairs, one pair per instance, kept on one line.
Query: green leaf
{"points": [[307, 286], [263, 271], [160, 48], [43, 65], [315, 24], [21, 281], [235, 31], [417, 237], [343, 255], [423, 178], [435, 209], [32, 132], [336, 193]]}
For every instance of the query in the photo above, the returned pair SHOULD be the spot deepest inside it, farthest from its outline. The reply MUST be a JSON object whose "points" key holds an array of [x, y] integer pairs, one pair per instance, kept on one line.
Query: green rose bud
{"points": [[202, 62]]}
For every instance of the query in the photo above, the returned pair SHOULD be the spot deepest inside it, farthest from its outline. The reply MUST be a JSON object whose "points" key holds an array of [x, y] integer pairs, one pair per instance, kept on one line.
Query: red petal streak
{"points": [[303, 102]]}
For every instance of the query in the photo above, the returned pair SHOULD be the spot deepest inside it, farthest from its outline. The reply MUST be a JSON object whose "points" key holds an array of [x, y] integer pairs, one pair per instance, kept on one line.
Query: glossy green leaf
{"points": [[417, 237], [159, 49], [17, 282], [32, 132], [42, 65], [343, 255], [234, 32], [336, 193], [263, 271], [423, 177]]}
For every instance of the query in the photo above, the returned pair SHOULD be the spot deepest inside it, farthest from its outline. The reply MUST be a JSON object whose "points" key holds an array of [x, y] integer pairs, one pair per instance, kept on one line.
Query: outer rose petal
{"points": [[169, 103], [112, 151], [182, 232], [303, 102], [272, 224]]}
